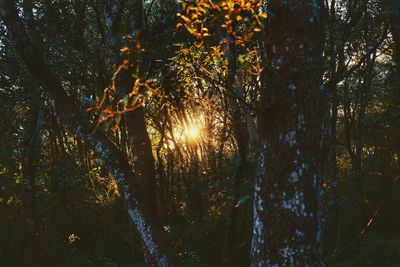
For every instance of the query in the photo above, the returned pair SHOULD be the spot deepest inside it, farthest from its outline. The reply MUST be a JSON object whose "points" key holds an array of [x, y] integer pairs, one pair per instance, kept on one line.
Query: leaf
{"points": [[198, 43], [124, 100], [124, 49], [242, 201]]}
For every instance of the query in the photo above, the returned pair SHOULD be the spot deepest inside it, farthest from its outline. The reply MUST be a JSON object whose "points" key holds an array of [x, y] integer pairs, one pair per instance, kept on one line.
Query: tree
{"points": [[177, 100], [30, 149], [287, 188], [393, 9]]}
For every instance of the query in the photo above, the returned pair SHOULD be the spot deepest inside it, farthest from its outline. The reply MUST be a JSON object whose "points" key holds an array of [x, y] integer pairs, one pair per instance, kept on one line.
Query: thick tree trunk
{"points": [[143, 160], [114, 160], [286, 227], [137, 135]]}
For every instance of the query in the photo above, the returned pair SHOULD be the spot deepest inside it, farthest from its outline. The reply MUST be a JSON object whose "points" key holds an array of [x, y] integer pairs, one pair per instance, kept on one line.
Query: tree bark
{"points": [[143, 160], [28, 194], [393, 9], [138, 138], [78, 33], [287, 190], [364, 96], [239, 131]]}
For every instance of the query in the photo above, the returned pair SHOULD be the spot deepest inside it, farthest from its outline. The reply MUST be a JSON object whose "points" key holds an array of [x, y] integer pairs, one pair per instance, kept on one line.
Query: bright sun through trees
{"points": [[192, 132], [200, 133]]}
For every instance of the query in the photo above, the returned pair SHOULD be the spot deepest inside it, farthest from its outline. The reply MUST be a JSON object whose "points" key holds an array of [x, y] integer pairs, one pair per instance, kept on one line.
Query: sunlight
{"points": [[192, 132]]}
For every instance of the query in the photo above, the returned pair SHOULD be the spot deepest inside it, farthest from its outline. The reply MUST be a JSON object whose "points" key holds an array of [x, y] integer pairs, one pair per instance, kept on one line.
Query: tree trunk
{"points": [[28, 194], [286, 219], [239, 131], [393, 9], [143, 160], [363, 101]]}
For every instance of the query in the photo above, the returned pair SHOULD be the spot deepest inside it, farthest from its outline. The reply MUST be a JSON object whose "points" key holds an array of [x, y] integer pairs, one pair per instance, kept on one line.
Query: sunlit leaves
{"points": [[127, 91], [200, 59], [214, 24], [111, 107], [238, 18], [250, 62]]}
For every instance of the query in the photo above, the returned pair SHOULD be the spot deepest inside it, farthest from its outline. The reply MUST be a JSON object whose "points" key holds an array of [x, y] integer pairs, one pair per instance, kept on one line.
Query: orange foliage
{"points": [[239, 18]]}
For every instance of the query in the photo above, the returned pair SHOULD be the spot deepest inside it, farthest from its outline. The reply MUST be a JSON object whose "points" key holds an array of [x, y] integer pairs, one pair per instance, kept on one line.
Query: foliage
{"points": [[175, 70]]}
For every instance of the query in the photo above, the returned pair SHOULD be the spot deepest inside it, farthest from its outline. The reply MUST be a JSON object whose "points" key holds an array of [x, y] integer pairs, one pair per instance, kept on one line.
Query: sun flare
{"points": [[192, 132]]}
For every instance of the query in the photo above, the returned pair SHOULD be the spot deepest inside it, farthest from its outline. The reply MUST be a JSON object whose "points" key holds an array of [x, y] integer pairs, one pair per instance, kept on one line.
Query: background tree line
{"points": [[199, 133]]}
